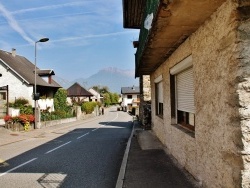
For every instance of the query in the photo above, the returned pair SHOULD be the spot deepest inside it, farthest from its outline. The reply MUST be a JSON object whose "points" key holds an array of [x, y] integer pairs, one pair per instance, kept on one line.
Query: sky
{"points": [[85, 36]]}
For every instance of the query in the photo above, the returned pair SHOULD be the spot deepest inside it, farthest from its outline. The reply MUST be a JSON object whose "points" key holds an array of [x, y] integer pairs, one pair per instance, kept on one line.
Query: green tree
{"points": [[106, 98], [101, 89], [60, 100], [115, 98]]}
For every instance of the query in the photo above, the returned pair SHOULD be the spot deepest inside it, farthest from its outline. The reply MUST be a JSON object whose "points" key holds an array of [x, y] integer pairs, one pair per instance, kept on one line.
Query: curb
{"points": [[120, 179]]}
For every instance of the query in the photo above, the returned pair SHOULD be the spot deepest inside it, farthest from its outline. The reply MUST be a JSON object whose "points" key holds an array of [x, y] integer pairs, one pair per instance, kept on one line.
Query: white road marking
{"points": [[57, 147], [95, 129], [113, 119], [17, 167], [82, 136]]}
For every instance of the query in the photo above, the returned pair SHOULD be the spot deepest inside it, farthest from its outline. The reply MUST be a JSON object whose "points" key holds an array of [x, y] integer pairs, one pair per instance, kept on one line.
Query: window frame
{"points": [[183, 118], [159, 109], [129, 96]]}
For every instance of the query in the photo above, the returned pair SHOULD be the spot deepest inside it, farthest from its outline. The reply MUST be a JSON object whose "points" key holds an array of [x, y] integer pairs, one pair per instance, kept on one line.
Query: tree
{"points": [[115, 98], [101, 89], [60, 100], [106, 99]]}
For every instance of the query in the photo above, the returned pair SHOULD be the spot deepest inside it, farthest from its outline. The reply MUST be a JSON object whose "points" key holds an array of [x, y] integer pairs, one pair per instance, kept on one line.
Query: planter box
{"points": [[17, 126]]}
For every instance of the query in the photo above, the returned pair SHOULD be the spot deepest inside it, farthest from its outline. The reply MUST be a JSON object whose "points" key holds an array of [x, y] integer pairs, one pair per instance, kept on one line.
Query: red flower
{"points": [[23, 118], [31, 118], [7, 118]]}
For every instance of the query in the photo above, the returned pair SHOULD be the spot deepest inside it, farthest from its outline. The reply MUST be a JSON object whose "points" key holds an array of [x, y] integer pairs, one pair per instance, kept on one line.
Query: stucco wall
{"points": [[213, 154], [17, 88]]}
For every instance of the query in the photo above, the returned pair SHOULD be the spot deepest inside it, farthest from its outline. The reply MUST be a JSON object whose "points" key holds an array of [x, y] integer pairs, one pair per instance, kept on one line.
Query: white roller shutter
{"points": [[185, 91], [160, 92]]}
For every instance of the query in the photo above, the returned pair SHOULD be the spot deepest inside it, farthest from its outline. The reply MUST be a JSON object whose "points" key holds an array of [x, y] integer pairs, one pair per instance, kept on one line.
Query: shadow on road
{"points": [[83, 157]]}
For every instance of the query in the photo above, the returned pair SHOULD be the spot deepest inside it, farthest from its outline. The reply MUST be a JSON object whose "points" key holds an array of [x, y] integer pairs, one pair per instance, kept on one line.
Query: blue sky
{"points": [[85, 35]]}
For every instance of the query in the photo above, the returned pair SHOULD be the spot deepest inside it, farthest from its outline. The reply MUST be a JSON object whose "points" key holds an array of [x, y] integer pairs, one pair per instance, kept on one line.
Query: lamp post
{"points": [[36, 95]]}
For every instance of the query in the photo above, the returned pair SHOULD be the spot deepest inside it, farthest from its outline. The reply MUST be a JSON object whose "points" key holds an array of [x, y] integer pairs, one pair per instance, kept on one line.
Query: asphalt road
{"points": [[86, 155]]}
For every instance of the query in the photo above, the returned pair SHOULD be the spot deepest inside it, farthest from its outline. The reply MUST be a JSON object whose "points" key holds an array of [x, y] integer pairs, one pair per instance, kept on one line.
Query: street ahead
{"points": [[88, 154]]}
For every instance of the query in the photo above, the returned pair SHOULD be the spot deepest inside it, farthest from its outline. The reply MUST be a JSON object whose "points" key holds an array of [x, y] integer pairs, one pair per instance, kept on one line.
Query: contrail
{"points": [[93, 36], [51, 7], [14, 25]]}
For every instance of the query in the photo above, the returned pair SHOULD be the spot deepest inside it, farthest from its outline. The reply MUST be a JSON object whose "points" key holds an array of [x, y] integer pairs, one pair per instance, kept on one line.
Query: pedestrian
{"points": [[102, 110]]}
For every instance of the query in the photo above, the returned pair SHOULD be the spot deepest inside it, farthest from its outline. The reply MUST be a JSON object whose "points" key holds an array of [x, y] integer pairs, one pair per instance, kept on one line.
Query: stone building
{"points": [[197, 54], [145, 100]]}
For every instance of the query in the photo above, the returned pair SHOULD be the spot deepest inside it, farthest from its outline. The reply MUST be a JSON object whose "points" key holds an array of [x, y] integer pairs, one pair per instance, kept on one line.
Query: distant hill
{"points": [[111, 77]]}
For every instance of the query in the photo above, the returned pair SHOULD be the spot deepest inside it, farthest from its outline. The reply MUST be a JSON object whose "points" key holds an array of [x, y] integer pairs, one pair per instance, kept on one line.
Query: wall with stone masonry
{"points": [[243, 85], [145, 96], [218, 153]]}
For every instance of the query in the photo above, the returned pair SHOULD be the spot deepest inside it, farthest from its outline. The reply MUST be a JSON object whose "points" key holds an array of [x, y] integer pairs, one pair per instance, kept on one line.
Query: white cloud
{"points": [[13, 24]]}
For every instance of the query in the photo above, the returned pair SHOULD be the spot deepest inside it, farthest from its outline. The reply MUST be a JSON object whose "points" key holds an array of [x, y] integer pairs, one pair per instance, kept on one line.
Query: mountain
{"points": [[111, 77]]}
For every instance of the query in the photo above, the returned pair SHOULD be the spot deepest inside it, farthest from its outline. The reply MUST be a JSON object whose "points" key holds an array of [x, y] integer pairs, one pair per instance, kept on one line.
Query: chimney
{"points": [[50, 79], [13, 52]]}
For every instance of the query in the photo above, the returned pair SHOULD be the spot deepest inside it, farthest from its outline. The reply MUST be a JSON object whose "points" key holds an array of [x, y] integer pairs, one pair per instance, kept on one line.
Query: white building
{"points": [[96, 96], [130, 97]]}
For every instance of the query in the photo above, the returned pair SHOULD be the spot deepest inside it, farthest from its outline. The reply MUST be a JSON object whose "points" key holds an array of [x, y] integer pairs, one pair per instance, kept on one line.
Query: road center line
{"points": [[17, 167], [113, 119], [95, 129], [57, 147], [82, 136]]}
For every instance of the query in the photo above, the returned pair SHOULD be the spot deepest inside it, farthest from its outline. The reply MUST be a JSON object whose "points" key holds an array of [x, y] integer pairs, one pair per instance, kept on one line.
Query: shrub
{"points": [[88, 107], [23, 105], [20, 102], [47, 116], [99, 104], [26, 109]]}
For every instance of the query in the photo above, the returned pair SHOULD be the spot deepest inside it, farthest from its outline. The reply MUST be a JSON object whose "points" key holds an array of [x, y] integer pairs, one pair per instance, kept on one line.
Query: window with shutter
{"points": [[159, 96], [182, 94]]}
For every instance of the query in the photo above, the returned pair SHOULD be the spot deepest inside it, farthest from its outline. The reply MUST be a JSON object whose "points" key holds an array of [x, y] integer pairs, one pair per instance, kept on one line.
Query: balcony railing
{"points": [[151, 7]]}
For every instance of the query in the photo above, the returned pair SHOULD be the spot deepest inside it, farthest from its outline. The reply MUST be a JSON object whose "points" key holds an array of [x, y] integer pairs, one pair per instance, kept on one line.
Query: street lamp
{"points": [[36, 95]]}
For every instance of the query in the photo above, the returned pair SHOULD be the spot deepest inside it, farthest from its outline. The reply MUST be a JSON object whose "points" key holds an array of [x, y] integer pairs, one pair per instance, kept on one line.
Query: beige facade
{"points": [[217, 153]]}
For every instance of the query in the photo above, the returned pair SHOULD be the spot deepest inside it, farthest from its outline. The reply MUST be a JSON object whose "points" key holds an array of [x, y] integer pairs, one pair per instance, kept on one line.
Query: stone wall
{"points": [[221, 80], [243, 87], [145, 96]]}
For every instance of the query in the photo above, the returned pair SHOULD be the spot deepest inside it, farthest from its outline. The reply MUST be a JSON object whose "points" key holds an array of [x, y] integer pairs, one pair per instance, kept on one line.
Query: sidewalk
{"points": [[148, 166], [8, 136]]}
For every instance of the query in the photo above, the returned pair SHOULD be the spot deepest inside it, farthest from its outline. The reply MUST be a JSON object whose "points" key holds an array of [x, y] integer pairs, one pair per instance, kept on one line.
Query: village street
{"points": [[87, 154]]}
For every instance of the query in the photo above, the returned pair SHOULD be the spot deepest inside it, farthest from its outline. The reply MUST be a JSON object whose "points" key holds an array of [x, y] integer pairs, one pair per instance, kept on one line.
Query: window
{"points": [[3, 96], [129, 96], [159, 96], [182, 94]]}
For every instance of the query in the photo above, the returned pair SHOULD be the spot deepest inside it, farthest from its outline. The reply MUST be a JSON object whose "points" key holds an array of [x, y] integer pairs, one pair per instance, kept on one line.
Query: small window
{"points": [[129, 96], [3, 96], [159, 98]]}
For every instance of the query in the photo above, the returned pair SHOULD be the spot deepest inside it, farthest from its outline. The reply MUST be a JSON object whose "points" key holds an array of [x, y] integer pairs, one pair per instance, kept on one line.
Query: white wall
{"points": [[17, 88], [126, 101]]}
